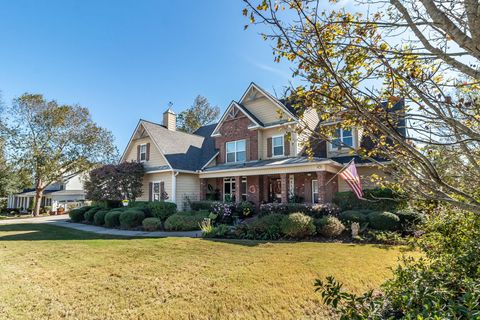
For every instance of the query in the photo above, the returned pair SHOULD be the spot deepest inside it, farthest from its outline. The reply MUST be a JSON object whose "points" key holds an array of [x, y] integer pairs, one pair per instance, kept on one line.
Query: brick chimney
{"points": [[170, 119]]}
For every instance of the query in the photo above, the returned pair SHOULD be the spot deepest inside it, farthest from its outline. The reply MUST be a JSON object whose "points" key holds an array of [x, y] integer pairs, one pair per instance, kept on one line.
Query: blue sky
{"points": [[126, 60]]}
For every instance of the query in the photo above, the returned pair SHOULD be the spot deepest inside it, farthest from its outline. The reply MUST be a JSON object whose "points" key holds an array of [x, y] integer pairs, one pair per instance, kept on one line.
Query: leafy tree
{"points": [[355, 67], [53, 141], [199, 114], [115, 182]]}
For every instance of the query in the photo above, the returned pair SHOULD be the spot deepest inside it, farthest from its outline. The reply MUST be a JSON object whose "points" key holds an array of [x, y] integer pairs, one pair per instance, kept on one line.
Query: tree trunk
{"points": [[39, 188]]}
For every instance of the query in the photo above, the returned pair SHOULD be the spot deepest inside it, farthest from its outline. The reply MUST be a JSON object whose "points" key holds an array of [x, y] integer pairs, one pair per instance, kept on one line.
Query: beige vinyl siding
{"points": [[156, 158], [365, 174], [261, 144], [308, 122], [166, 177], [188, 185], [268, 133], [264, 109]]}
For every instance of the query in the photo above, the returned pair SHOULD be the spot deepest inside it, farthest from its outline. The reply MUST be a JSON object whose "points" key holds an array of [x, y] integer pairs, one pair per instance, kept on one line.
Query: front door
{"points": [[229, 189]]}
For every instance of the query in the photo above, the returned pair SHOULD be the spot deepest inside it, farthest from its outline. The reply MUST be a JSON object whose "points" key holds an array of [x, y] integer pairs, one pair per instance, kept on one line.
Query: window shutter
{"points": [[138, 153], [247, 149], [150, 191], [269, 147], [148, 152], [162, 190], [286, 145]]}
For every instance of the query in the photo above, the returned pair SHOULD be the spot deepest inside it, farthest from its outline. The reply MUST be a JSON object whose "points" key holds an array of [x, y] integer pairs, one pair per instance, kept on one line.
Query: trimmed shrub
{"points": [[143, 206], [162, 209], [297, 207], [99, 217], [409, 217], [385, 221], [264, 228], [112, 219], [78, 215], [353, 216], [364, 211], [90, 213], [322, 210], [131, 218], [348, 200], [269, 208], [184, 222], [151, 224], [298, 225], [329, 226], [201, 205]]}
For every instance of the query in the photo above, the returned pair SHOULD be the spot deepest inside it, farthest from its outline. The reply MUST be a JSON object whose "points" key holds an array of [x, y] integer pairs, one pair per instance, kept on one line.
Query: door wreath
{"points": [[252, 189]]}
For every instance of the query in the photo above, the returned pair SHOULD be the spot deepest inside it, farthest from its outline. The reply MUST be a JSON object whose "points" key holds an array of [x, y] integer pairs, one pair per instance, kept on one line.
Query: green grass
{"points": [[56, 273]]}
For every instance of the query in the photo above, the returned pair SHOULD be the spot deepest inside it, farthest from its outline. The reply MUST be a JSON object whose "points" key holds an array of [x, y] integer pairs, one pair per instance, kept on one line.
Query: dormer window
{"points": [[143, 153], [278, 146], [236, 151], [343, 138]]}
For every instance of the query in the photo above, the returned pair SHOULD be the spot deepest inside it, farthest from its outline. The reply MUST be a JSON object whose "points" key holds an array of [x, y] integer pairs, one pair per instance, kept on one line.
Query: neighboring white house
{"points": [[57, 195]]}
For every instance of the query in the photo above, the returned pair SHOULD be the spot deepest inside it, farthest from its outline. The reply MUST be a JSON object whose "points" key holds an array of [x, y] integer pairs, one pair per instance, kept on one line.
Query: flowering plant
{"points": [[222, 210]]}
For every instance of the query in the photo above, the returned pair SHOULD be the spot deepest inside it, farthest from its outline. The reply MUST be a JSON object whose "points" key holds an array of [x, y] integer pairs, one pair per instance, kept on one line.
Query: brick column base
{"points": [[238, 189], [284, 187]]}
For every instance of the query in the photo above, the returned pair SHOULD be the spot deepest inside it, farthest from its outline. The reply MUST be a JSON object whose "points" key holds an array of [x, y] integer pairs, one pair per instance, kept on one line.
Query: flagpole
{"points": [[344, 167]]}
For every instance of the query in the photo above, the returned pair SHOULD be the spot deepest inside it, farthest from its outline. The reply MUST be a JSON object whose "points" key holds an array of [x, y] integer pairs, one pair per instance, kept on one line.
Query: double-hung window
{"points": [[277, 146], [143, 152], [236, 151], [342, 139]]}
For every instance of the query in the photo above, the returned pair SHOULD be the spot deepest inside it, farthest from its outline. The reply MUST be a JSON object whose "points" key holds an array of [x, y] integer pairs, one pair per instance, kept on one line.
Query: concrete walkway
{"points": [[63, 221]]}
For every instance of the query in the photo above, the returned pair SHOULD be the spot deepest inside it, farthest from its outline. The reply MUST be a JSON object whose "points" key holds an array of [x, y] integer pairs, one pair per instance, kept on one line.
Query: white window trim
{"points": [[236, 151], [159, 189], [231, 181], [342, 147], [242, 181], [140, 155], [283, 146], [318, 190]]}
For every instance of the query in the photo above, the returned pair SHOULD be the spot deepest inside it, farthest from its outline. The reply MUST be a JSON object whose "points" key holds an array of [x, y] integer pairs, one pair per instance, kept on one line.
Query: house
{"points": [[245, 156], [68, 191]]}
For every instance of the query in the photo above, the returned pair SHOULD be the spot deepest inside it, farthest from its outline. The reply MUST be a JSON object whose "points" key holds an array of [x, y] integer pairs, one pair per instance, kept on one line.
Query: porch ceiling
{"points": [[271, 166]]}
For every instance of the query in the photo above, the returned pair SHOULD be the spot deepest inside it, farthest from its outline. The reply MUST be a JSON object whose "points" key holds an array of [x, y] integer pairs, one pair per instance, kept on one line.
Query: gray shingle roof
{"points": [[183, 151], [264, 163]]}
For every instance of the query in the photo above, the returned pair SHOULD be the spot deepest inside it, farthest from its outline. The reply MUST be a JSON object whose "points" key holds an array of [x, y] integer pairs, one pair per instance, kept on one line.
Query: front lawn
{"points": [[52, 272]]}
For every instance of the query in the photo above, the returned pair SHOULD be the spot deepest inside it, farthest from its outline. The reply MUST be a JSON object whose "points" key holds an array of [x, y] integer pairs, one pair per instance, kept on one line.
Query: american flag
{"points": [[351, 177]]}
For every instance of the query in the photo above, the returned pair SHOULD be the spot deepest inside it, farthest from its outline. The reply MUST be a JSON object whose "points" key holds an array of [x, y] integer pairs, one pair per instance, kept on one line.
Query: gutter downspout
{"points": [[174, 186]]}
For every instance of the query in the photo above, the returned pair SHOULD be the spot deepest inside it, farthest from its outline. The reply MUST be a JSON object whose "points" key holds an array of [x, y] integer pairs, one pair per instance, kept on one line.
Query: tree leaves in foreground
{"points": [[53, 141], [115, 182], [356, 66], [443, 284], [199, 114]]}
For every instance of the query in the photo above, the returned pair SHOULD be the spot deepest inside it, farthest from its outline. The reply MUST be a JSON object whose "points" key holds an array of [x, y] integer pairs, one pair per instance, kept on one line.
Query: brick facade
{"points": [[237, 129]]}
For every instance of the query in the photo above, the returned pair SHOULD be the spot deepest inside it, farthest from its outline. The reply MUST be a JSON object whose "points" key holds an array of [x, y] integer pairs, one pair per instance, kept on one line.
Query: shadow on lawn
{"points": [[255, 243], [35, 232]]}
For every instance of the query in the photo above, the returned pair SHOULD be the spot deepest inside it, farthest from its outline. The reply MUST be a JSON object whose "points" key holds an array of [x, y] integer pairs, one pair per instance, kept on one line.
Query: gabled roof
{"points": [[288, 110], [182, 151], [244, 110]]}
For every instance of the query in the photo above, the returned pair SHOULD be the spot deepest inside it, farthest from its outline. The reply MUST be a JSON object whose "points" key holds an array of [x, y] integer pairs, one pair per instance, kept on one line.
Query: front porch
{"points": [[302, 187]]}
